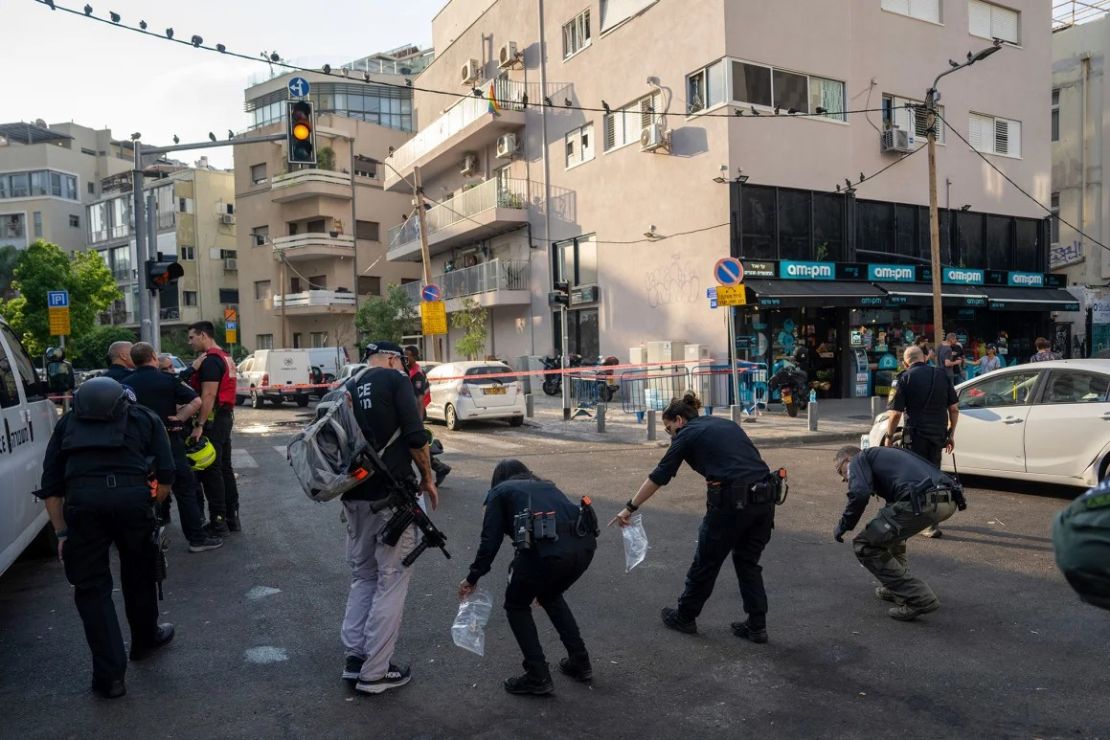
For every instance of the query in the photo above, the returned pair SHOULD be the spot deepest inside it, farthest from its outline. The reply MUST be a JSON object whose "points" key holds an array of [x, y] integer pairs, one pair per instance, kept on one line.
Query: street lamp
{"points": [[931, 98]]}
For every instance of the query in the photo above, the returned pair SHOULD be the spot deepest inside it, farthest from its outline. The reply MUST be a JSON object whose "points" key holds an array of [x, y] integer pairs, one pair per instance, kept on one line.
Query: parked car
{"points": [[465, 391], [1045, 421], [178, 364], [347, 372], [28, 418], [260, 376]]}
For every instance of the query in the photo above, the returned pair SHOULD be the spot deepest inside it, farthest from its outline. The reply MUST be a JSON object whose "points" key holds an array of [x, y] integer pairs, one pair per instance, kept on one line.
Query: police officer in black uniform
{"points": [[119, 361], [95, 483], [917, 495], [164, 395], [555, 541], [740, 511]]}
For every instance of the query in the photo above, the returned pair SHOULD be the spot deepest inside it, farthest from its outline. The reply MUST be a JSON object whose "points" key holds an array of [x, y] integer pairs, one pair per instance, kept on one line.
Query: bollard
{"points": [[812, 414], [651, 434], [529, 405], [600, 417], [878, 405], [737, 413]]}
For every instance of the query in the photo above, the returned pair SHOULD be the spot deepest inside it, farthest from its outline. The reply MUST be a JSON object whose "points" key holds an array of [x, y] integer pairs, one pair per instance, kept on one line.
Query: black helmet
{"points": [[55, 354], [101, 399]]}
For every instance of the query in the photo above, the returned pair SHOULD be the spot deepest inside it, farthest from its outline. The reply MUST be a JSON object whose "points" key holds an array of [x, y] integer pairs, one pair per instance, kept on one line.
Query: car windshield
{"points": [[501, 374]]}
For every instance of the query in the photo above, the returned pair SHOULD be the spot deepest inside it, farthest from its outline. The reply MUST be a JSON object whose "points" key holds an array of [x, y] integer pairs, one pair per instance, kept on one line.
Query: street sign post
{"points": [[57, 310], [231, 331], [728, 271], [433, 317], [431, 292], [729, 274], [298, 87]]}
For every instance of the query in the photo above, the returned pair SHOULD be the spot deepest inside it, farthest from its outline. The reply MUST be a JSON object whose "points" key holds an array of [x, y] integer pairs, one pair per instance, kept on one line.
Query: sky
{"points": [[62, 67]]}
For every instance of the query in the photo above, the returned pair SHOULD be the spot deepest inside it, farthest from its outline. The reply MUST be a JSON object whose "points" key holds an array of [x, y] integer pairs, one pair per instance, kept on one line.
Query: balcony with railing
{"points": [[316, 303], [302, 184], [498, 282], [313, 246], [483, 211], [468, 124]]}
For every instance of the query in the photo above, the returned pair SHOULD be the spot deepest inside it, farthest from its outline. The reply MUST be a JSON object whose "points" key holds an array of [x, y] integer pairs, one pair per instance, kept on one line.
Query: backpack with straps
{"points": [[323, 453]]}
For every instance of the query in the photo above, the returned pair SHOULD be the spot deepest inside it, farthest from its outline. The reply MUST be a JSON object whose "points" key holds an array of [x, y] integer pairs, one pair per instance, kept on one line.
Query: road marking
{"points": [[261, 592], [281, 450], [242, 459], [265, 654], [486, 441]]}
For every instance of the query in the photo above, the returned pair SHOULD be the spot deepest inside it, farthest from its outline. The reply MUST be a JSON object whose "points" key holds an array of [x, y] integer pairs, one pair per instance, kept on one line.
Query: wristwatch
{"points": [[62, 533], [631, 506]]}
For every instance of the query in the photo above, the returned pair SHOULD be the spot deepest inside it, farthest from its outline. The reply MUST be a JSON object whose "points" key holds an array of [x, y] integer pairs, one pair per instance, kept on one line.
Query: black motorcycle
{"points": [[553, 381], [791, 382]]}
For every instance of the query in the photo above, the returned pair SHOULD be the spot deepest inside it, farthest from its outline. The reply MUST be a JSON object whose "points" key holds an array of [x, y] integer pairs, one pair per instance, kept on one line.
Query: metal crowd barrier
{"points": [[713, 383], [642, 390], [585, 393]]}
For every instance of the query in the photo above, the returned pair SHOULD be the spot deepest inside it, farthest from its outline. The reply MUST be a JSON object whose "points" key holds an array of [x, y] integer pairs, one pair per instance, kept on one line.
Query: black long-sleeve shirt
{"points": [[890, 473], [715, 448], [509, 499]]}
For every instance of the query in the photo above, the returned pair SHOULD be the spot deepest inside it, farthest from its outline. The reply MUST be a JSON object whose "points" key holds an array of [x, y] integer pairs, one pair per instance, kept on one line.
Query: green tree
{"points": [[386, 318], [43, 267], [473, 319], [89, 349], [9, 258]]}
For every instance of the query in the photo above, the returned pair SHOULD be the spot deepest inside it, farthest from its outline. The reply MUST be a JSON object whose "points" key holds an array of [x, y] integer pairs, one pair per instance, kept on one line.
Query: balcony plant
{"points": [[325, 158]]}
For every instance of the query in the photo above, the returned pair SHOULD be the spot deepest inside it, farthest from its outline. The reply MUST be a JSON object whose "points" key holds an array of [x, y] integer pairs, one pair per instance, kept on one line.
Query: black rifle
{"points": [[402, 499], [160, 540]]}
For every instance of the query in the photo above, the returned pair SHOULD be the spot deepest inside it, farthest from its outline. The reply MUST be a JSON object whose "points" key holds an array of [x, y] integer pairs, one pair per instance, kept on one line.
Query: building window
{"points": [[258, 173], [365, 168], [576, 34], [264, 341], [1056, 115], [75, 222], [910, 115], [757, 84], [228, 254], [318, 339], [1055, 207], [189, 297], [992, 135], [318, 282], [260, 235], [13, 226], [296, 340], [926, 10], [580, 145], [577, 260], [185, 205], [92, 188], [229, 296], [36, 222], [370, 230], [614, 12], [624, 126], [369, 285], [262, 290], [993, 21], [188, 254], [705, 88]]}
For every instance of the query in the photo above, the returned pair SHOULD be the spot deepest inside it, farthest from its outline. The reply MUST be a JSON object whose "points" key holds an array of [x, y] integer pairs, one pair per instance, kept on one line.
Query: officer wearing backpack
{"points": [[95, 483], [386, 410]]}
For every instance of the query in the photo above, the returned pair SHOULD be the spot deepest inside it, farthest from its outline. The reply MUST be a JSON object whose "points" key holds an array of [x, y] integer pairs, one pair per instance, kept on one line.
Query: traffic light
{"points": [[561, 295], [301, 135], [161, 272]]}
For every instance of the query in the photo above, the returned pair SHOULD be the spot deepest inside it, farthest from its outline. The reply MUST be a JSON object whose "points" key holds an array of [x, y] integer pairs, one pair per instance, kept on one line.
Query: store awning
{"points": [[921, 294], [1031, 299], [788, 293]]}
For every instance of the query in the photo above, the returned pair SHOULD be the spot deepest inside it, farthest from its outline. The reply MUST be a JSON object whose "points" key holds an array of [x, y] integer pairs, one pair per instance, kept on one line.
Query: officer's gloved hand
{"points": [[838, 532]]}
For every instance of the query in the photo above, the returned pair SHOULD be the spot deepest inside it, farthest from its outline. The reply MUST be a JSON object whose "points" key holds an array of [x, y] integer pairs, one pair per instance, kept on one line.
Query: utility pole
{"points": [[932, 96], [146, 326], [425, 257], [283, 300], [155, 296]]}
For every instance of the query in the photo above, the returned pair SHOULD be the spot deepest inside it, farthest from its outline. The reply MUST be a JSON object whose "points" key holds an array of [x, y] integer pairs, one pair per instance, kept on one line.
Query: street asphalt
{"points": [[1011, 653]]}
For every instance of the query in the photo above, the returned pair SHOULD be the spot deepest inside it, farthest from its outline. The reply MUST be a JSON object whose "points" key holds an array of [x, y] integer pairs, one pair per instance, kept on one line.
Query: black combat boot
{"points": [[577, 667], [674, 619], [536, 680]]}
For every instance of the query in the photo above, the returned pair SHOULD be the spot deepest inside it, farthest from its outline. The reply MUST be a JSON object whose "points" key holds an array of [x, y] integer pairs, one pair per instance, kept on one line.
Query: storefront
{"points": [[856, 318]]}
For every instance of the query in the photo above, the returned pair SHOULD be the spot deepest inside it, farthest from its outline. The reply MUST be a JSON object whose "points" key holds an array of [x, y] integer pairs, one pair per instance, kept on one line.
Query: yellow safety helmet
{"points": [[200, 452]]}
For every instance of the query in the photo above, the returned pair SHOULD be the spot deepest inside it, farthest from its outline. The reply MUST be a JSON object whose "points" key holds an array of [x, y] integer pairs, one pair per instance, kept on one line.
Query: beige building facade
{"points": [[626, 127]]}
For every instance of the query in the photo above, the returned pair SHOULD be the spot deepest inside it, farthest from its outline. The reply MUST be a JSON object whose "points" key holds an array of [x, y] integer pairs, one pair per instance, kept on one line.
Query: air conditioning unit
{"points": [[506, 146], [227, 219], [508, 55], [654, 136], [231, 263], [895, 139], [470, 72], [469, 165]]}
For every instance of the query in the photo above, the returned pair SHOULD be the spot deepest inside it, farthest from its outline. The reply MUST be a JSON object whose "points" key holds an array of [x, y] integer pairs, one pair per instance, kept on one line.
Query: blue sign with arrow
{"points": [[298, 87]]}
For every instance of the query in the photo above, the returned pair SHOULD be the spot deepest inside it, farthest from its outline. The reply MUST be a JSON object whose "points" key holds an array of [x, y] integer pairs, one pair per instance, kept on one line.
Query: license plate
{"points": [[497, 390]]}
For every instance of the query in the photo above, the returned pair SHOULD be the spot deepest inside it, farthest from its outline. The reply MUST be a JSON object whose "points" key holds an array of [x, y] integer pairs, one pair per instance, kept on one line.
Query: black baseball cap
{"points": [[385, 347]]}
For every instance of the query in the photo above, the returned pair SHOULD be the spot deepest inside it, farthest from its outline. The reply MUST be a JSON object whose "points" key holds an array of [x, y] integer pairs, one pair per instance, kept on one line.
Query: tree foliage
{"points": [[9, 258], [386, 318], [473, 319], [89, 350], [43, 267]]}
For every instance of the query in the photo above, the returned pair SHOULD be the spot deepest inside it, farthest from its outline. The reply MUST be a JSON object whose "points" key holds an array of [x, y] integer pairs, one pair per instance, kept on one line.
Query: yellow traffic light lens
{"points": [[301, 132]]}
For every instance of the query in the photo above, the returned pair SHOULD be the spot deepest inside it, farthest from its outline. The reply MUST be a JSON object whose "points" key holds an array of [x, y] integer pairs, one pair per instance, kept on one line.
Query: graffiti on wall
{"points": [[672, 284], [1065, 254]]}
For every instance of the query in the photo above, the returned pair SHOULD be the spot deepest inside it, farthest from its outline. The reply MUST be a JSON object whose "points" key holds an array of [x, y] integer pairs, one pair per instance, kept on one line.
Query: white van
{"points": [[261, 373], [27, 419], [329, 359]]}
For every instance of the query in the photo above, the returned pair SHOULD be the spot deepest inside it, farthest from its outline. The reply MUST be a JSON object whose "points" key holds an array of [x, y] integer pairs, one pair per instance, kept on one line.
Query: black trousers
{"points": [[218, 479], [744, 533], [544, 580], [928, 447], [96, 520], [185, 492]]}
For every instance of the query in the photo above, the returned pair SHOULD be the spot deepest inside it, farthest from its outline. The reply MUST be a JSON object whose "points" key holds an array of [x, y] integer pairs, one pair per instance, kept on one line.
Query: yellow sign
{"points": [[59, 321], [731, 295], [433, 317], [232, 336]]}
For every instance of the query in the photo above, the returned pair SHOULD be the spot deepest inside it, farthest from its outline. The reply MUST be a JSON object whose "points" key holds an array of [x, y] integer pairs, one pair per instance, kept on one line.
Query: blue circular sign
{"points": [[298, 87], [728, 271], [431, 292]]}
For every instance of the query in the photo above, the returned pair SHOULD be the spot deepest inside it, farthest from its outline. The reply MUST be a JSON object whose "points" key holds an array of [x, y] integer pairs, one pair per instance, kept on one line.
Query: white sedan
{"points": [[1045, 421], [467, 391]]}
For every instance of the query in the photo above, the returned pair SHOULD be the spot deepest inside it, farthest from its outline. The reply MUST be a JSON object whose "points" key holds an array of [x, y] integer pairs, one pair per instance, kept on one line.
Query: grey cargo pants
{"points": [[881, 548], [379, 584]]}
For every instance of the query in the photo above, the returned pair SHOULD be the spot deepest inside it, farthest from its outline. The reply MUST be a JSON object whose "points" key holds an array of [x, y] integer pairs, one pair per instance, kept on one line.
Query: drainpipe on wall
{"points": [[546, 160], [1085, 60]]}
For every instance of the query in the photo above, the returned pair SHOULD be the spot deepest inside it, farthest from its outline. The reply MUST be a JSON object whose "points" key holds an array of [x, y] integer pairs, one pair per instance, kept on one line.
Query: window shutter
{"points": [[610, 132], [1004, 24], [1001, 136], [647, 111], [926, 10], [979, 18], [1013, 129], [979, 131], [897, 6]]}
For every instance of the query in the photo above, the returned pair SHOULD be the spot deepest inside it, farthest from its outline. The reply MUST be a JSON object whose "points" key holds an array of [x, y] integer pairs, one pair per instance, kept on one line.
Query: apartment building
{"points": [[194, 219], [311, 240], [48, 173], [630, 144], [1080, 127]]}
